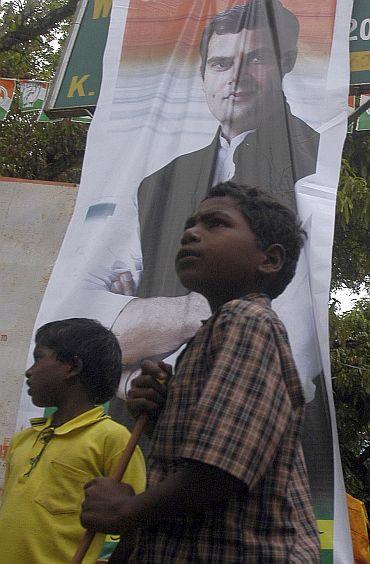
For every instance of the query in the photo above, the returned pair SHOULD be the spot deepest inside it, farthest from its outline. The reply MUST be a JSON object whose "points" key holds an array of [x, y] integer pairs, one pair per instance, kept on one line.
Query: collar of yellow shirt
{"points": [[84, 420]]}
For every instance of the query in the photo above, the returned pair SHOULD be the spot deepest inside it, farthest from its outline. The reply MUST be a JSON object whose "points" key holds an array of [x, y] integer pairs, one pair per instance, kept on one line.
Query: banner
{"points": [[32, 95], [32, 98], [195, 93], [363, 122], [82, 119], [43, 118], [77, 81], [7, 88], [359, 44]]}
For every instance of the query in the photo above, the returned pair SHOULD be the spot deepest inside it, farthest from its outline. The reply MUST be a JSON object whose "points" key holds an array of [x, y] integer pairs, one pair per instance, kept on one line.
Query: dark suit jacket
{"points": [[280, 152]]}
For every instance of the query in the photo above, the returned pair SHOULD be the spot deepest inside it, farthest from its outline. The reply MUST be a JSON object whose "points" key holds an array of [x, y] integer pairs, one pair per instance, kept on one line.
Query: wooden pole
{"points": [[137, 431]]}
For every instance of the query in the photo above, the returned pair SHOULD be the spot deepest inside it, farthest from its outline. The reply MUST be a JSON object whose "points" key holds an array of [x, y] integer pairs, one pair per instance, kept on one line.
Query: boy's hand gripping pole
{"points": [[88, 537]]}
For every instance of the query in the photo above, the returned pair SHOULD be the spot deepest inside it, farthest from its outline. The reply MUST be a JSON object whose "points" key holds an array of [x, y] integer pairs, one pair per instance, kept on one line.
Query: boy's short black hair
{"points": [[271, 222], [95, 346]]}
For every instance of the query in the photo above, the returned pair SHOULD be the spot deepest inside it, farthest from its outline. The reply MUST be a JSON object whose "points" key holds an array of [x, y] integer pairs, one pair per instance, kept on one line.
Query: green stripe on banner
{"points": [[326, 557], [326, 530]]}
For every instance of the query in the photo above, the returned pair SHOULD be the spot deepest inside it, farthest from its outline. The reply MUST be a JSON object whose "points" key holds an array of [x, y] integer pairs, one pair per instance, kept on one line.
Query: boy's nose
{"points": [[190, 235]]}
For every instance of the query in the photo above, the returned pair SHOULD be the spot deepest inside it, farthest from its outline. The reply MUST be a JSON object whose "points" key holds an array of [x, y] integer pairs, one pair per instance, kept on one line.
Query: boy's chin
{"points": [[191, 284], [40, 403]]}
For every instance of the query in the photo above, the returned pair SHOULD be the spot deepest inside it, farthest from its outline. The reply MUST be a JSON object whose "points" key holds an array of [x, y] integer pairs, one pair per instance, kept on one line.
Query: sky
{"points": [[348, 299]]}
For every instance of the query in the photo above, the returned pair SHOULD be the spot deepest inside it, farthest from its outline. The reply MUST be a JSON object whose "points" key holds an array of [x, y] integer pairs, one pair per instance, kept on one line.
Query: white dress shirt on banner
{"points": [[225, 166]]}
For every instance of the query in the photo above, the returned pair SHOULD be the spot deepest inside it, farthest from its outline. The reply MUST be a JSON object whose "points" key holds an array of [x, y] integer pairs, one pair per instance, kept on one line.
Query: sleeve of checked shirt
{"points": [[244, 408]]}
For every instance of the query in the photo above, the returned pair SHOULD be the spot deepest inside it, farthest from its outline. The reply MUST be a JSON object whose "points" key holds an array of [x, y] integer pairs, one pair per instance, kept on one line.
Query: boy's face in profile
{"points": [[46, 377], [219, 255]]}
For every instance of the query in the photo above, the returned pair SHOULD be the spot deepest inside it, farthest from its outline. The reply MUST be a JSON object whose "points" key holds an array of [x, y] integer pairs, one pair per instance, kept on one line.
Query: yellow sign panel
{"points": [[102, 9], [360, 61], [326, 530]]}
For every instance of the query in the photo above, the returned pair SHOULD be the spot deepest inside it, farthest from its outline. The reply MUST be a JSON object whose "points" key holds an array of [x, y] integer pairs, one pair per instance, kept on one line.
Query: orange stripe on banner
{"points": [[159, 26], [360, 61]]}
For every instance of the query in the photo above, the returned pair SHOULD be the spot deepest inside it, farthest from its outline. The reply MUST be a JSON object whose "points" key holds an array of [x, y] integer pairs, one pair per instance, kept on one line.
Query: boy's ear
{"points": [[75, 366], [274, 258]]}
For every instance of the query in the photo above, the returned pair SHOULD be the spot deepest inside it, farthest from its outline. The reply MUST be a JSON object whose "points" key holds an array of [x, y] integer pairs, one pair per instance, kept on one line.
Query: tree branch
{"points": [[40, 26]]}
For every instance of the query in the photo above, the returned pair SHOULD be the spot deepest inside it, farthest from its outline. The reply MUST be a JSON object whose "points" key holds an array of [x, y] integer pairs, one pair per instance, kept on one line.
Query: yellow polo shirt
{"points": [[46, 470]]}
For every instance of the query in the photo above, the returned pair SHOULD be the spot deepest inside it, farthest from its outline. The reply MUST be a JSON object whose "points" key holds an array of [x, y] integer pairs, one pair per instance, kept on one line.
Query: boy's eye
{"points": [[215, 222]]}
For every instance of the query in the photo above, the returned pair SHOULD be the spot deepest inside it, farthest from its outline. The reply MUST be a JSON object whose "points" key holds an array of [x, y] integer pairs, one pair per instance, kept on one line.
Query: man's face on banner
{"points": [[242, 79]]}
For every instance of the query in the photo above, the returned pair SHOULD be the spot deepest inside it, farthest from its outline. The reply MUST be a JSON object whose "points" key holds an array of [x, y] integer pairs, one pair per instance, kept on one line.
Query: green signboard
{"points": [[76, 86], [359, 41]]}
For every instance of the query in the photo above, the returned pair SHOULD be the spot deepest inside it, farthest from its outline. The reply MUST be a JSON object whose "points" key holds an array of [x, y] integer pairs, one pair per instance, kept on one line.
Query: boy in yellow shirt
{"points": [[77, 365]]}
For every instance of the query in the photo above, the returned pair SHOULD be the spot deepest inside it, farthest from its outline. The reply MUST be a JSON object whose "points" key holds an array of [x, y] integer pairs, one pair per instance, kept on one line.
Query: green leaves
{"points": [[351, 239], [350, 350], [353, 197], [23, 21], [350, 364]]}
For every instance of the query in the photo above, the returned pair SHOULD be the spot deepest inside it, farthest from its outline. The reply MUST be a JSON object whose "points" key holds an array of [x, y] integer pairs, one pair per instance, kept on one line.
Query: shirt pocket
{"points": [[63, 490]]}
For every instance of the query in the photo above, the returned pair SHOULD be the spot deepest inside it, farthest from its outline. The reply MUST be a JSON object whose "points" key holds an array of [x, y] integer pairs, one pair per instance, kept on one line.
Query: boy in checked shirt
{"points": [[226, 475]]}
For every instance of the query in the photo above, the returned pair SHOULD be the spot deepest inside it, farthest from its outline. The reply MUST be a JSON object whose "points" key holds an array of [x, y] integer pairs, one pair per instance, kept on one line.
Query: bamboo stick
{"points": [[137, 431]]}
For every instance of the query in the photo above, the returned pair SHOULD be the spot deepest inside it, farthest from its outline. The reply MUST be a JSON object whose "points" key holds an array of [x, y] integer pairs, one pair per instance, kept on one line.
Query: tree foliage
{"points": [[349, 332], [32, 21], [350, 354], [28, 149], [350, 250], [44, 151]]}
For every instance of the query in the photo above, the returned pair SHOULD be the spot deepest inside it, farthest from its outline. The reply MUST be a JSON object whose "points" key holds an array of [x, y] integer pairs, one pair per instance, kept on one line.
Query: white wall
{"points": [[33, 219]]}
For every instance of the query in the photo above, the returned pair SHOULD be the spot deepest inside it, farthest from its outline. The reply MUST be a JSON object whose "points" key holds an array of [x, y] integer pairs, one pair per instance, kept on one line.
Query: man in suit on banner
{"points": [[245, 53]]}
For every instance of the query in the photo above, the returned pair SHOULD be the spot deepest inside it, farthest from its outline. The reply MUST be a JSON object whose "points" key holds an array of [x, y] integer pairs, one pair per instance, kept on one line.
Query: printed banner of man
{"points": [[206, 92]]}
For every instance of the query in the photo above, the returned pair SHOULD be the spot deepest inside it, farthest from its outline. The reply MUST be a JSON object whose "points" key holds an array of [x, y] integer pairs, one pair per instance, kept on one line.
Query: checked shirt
{"points": [[235, 402]]}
